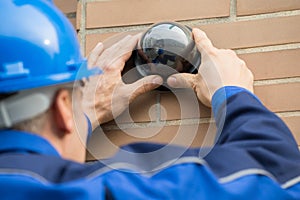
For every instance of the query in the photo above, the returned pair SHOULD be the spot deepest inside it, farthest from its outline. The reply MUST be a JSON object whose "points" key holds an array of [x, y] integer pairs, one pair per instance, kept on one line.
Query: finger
{"points": [[130, 44], [138, 35], [203, 43], [182, 80], [125, 49], [118, 53], [95, 53], [143, 85]]}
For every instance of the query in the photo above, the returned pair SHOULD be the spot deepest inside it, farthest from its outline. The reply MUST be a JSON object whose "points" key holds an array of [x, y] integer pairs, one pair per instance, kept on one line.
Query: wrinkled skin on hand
{"points": [[106, 96], [219, 68]]}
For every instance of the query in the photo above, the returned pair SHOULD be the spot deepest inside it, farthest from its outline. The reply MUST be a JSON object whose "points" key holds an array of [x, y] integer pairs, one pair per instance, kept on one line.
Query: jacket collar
{"points": [[19, 141]]}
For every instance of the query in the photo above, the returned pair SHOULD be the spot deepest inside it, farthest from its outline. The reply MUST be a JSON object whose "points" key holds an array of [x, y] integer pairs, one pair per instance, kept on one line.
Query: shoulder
{"points": [[46, 168]]}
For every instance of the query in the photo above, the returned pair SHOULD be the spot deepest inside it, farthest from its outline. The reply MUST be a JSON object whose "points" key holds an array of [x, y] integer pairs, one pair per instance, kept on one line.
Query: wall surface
{"points": [[69, 8], [266, 34]]}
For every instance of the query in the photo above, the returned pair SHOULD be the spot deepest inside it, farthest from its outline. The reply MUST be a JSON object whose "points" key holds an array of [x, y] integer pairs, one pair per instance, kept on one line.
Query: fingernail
{"points": [[172, 81], [157, 80], [100, 44]]}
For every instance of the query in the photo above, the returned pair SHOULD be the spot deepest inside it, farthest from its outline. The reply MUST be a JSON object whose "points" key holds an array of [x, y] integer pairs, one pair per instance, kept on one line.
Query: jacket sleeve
{"points": [[245, 124]]}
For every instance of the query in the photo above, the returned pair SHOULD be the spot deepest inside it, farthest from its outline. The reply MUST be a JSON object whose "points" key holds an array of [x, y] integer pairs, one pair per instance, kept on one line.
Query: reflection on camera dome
{"points": [[165, 49]]}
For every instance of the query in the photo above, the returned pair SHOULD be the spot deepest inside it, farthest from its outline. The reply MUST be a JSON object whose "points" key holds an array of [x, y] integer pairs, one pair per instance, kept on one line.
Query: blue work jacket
{"points": [[255, 158]]}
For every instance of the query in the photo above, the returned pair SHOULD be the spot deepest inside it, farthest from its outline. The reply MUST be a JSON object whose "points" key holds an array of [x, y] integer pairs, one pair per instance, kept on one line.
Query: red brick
{"points": [[280, 97], [294, 126], [241, 34], [188, 108], [255, 33], [105, 144], [93, 39], [67, 6], [106, 38], [73, 22], [251, 7], [277, 97], [78, 15], [130, 12], [275, 64], [142, 109]]}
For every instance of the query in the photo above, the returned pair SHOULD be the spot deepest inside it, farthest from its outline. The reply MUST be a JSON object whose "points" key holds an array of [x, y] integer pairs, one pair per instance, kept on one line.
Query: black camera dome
{"points": [[167, 48]]}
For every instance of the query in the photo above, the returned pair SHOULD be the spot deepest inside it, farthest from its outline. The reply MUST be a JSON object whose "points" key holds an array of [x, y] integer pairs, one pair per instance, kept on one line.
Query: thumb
{"points": [[144, 85], [203, 43], [182, 80], [94, 55]]}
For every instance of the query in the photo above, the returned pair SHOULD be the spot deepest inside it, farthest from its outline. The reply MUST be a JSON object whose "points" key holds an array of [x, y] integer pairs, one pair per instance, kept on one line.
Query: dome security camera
{"points": [[167, 48]]}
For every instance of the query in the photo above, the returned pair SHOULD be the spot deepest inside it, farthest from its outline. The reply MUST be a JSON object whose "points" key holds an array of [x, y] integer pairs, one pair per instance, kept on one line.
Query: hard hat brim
{"points": [[10, 86]]}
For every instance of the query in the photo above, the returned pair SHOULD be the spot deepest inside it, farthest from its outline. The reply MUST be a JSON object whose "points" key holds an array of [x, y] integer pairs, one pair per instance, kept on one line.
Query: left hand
{"points": [[219, 68], [106, 96]]}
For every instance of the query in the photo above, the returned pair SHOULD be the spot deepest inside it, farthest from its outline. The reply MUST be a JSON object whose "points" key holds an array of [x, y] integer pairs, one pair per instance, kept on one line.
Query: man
{"points": [[49, 100]]}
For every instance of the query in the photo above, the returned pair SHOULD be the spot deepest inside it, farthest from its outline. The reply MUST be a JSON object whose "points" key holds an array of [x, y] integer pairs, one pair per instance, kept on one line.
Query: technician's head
{"points": [[41, 69]]}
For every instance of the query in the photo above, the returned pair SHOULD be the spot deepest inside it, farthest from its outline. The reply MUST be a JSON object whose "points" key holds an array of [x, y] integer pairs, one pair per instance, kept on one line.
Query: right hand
{"points": [[219, 68], [106, 96]]}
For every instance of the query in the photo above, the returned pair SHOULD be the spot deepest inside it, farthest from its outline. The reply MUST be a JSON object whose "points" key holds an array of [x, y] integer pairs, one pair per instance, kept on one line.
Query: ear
{"points": [[63, 115]]}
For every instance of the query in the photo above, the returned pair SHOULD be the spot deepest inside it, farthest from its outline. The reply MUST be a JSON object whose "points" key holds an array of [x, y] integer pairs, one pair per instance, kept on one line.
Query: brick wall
{"points": [[69, 8], [266, 34]]}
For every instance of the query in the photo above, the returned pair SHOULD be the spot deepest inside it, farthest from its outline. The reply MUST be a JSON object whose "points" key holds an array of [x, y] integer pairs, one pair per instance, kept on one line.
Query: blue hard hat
{"points": [[38, 47]]}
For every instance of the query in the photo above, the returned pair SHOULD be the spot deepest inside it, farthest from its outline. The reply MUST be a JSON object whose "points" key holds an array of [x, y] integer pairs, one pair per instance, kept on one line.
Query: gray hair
{"points": [[33, 125], [35, 122]]}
